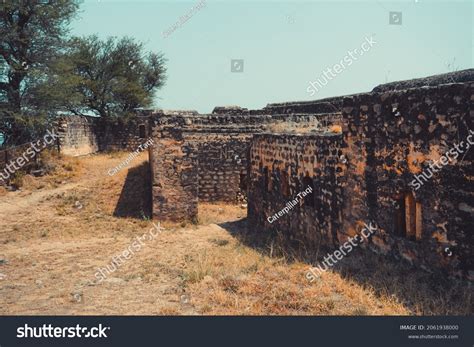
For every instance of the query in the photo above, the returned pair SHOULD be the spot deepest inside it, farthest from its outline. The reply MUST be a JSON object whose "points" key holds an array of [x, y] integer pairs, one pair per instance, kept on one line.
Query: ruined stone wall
{"points": [[78, 135], [81, 135], [387, 139], [222, 166], [124, 134], [222, 142], [281, 167], [174, 176], [391, 137]]}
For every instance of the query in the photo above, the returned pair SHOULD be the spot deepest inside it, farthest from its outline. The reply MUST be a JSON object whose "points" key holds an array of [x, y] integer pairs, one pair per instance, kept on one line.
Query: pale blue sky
{"points": [[285, 45]]}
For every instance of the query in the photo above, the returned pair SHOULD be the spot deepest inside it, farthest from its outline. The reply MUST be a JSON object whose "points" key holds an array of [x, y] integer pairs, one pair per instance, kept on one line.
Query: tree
{"points": [[109, 77], [31, 37]]}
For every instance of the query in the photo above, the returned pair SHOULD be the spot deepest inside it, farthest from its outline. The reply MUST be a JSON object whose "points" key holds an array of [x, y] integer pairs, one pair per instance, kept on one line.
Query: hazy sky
{"points": [[285, 45]]}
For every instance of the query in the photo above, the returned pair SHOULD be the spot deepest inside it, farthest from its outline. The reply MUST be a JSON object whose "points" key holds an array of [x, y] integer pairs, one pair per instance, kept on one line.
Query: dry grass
{"points": [[220, 213], [56, 237], [306, 128], [59, 170]]}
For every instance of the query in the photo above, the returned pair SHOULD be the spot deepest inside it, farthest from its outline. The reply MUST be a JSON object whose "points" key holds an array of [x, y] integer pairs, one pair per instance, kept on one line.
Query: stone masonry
{"points": [[370, 175], [221, 143], [361, 155]]}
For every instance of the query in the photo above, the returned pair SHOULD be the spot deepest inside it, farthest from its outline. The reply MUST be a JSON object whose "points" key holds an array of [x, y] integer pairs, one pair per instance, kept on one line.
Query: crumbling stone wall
{"points": [[82, 135], [391, 137], [124, 134], [174, 176], [222, 142], [387, 139], [78, 135], [284, 165], [222, 167]]}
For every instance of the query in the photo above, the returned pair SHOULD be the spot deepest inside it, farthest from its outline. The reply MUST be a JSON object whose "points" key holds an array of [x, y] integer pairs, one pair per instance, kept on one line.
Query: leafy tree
{"points": [[31, 37], [18, 129], [109, 77]]}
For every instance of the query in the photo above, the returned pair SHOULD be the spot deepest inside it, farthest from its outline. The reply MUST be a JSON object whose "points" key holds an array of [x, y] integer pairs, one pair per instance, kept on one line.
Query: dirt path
{"points": [[55, 240], [17, 201]]}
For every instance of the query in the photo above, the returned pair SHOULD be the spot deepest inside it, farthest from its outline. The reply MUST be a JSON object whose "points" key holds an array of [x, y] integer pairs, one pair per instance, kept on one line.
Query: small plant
{"points": [[200, 268], [144, 216], [219, 242], [16, 180], [230, 284]]}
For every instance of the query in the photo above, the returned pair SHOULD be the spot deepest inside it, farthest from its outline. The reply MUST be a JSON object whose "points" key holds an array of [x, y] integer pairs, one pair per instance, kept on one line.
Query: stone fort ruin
{"points": [[373, 157]]}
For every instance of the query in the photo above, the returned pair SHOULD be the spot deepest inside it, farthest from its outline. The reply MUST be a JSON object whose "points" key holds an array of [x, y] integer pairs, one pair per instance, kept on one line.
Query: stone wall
{"points": [[222, 142], [387, 140], [82, 135], [124, 134], [174, 176], [222, 167], [281, 168], [78, 135]]}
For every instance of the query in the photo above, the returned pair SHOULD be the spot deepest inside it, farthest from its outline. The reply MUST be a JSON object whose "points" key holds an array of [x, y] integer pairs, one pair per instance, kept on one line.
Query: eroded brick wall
{"points": [[222, 167], [81, 135], [78, 135], [387, 139], [391, 137], [281, 167], [124, 135], [222, 141], [174, 176]]}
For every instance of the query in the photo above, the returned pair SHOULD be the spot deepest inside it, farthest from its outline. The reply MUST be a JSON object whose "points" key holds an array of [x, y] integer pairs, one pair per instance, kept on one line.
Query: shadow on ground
{"points": [[422, 293], [135, 198]]}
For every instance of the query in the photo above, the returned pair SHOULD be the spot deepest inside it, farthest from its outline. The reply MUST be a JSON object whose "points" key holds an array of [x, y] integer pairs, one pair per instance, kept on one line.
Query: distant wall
{"points": [[124, 134], [78, 135], [81, 135]]}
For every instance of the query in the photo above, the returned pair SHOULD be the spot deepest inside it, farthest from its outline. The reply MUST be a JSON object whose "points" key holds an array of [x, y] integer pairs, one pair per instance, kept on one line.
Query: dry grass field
{"points": [[60, 228]]}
